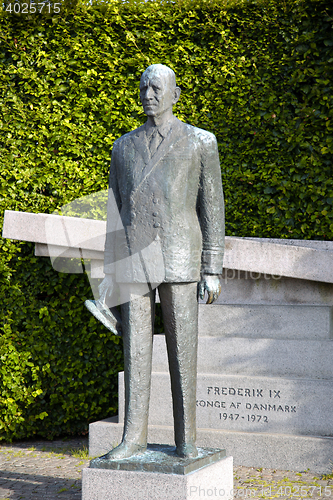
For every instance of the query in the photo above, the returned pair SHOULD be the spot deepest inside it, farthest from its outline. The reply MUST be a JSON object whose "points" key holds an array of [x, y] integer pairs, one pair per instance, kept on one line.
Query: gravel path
{"points": [[44, 470]]}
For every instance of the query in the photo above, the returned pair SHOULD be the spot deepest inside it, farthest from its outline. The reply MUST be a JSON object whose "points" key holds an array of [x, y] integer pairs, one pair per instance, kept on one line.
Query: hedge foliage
{"points": [[257, 74]]}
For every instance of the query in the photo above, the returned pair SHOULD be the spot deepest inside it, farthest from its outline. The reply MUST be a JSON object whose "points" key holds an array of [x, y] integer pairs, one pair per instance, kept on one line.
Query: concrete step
{"points": [[250, 404], [311, 359], [266, 321], [274, 451]]}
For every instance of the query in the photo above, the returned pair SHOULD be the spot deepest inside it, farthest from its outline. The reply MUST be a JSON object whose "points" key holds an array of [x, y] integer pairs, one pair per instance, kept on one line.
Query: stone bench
{"points": [[307, 260]]}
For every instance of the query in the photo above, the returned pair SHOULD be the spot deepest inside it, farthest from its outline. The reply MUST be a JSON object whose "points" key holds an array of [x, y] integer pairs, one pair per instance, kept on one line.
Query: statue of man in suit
{"points": [[166, 181]]}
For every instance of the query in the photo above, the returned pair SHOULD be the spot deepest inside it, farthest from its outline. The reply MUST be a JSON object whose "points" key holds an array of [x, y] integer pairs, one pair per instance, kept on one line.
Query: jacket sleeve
{"points": [[113, 223], [211, 207]]}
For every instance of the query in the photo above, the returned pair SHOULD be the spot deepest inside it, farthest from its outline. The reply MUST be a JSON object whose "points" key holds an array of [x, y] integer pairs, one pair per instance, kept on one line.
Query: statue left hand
{"points": [[211, 283]]}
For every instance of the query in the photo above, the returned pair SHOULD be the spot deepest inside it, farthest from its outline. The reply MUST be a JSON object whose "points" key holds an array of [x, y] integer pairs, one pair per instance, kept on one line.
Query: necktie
{"points": [[155, 141]]}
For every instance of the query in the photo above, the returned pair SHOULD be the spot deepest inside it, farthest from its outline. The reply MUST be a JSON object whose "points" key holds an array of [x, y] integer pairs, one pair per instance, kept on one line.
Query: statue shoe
{"points": [[187, 450], [124, 450]]}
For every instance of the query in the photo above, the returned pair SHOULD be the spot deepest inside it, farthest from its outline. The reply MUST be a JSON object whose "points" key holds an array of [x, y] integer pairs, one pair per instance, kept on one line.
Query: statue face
{"points": [[156, 94]]}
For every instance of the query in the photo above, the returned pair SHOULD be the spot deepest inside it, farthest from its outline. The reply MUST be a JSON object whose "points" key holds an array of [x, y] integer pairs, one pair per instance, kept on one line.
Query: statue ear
{"points": [[176, 95]]}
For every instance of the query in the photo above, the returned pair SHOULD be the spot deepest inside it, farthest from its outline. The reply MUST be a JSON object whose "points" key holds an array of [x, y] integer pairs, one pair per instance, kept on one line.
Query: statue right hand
{"points": [[105, 288]]}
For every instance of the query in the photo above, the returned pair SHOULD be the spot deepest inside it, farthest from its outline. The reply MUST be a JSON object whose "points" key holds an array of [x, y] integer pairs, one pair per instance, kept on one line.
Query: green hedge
{"points": [[257, 74]]}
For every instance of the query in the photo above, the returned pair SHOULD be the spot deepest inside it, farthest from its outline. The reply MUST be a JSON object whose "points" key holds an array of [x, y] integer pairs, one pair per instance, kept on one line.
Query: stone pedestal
{"points": [[209, 475]]}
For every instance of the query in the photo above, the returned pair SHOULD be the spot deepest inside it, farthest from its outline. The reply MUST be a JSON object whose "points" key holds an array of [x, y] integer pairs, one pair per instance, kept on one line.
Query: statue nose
{"points": [[149, 94]]}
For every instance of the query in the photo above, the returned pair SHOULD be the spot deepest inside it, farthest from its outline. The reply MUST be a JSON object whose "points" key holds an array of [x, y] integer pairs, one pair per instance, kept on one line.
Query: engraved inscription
{"points": [[244, 407]]}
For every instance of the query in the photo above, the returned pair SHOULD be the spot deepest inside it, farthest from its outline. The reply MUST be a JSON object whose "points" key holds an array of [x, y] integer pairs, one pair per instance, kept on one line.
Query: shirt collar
{"points": [[163, 129]]}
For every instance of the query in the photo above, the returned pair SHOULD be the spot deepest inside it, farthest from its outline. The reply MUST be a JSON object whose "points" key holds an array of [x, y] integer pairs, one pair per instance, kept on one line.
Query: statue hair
{"points": [[161, 69]]}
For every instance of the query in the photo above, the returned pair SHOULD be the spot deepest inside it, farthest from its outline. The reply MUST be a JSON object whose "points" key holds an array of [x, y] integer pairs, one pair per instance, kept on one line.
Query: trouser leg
{"points": [[137, 326], [180, 314]]}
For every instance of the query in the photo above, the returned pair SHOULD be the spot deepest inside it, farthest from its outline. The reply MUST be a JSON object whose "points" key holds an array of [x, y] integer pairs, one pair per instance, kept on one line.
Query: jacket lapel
{"points": [[140, 143]]}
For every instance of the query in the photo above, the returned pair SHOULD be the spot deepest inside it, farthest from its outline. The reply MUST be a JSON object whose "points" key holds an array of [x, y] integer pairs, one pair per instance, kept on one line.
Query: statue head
{"points": [[158, 90]]}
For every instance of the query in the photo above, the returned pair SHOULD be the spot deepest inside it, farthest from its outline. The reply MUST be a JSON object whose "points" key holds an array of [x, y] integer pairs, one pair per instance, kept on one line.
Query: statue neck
{"points": [[157, 121]]}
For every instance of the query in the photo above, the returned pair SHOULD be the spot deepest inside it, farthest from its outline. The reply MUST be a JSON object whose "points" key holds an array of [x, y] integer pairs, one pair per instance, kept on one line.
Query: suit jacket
{"points": [[171, 207]]}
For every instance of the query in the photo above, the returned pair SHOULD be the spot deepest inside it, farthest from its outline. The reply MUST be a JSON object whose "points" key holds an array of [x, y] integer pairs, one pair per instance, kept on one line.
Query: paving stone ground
{"points": [[44, 470]]}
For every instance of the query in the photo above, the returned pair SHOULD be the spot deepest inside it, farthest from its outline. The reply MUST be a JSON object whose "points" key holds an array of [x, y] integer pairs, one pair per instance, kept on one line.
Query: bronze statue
{"points": [[166, 180]]}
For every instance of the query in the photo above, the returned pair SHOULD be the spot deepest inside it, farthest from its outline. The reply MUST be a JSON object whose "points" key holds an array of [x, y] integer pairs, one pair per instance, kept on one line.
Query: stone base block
{"points": [[300, 322], [242, 287], [213, 480], [250, 404], [251, 449], [307, 359]]}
